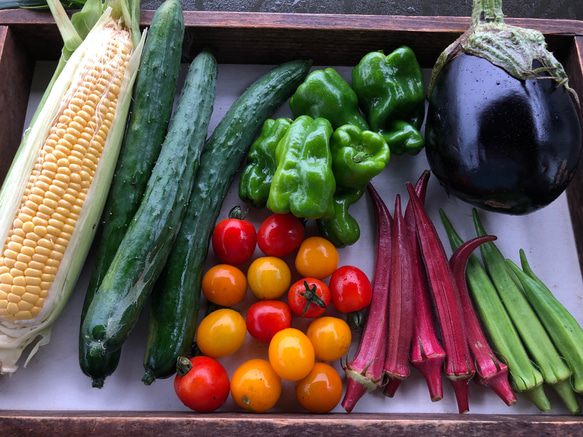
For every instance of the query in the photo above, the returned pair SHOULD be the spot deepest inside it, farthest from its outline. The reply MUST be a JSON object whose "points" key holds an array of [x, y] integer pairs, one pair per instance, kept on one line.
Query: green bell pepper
{"points": [[342, 229], [258, 173], [304, 183], [357, 157], [326, 94], [390, 93]]}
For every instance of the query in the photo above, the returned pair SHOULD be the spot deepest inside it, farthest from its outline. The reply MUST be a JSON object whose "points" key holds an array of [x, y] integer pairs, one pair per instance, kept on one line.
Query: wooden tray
{"points": [[270, 38]]}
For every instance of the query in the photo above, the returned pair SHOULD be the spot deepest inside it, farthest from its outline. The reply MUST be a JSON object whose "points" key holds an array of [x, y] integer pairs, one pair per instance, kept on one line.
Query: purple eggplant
{"points": [[502, 131]]}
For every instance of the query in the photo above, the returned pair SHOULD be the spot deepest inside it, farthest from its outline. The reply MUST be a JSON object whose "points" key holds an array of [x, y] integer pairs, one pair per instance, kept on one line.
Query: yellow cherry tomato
{"points": [[255, 386], [221, 333], [316, 258], [321, 390], [291, 354], [331, 337], [269, 277], [224, 285]]}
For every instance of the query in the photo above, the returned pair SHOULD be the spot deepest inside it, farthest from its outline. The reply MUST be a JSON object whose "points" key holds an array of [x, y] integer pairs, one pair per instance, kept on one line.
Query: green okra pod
{"points": [[564, 330], [554, 370]]}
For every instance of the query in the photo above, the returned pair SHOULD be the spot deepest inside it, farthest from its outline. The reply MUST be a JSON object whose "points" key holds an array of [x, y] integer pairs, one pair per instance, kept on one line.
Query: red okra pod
{"points": [[427, 355], [401, 305], [364, 373], [490, 371], [459, 367]]}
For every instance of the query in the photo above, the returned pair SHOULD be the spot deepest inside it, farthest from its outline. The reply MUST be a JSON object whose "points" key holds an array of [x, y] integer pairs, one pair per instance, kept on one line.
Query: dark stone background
{"points": [[554, 9]]}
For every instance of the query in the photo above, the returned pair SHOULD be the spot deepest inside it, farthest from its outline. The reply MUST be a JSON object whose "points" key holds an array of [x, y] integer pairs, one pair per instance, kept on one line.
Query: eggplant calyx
{"points": [[514, 49]]}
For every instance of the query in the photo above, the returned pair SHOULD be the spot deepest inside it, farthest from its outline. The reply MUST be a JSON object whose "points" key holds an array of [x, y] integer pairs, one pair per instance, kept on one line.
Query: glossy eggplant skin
{"points": [[499, 143]]}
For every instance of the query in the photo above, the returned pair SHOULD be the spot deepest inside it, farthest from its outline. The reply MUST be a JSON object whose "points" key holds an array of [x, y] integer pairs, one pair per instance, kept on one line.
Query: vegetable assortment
{"points": [[502, 307], [179, 281], [328, 152], [313, 321]]}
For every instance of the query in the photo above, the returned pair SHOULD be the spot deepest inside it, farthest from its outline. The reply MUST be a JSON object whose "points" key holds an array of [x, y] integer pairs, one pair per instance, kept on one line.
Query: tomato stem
{"points": [[237, 213], [312, 297], [183, 365], [355, 319]]}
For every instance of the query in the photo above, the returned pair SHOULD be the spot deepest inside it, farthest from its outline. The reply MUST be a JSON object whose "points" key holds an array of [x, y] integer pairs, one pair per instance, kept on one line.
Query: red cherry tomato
{"points": [[350, 289], [308, 297], [266, 318], [202, 383], [280, 234], [234, 239]]}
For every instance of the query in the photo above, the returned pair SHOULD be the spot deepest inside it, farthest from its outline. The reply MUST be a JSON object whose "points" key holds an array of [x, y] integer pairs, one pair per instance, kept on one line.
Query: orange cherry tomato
{"points": [[221, 333], [291, 354], [331, 337], [320, 391], [269, 277], [316, 257], [224, 285], [255, 386]]}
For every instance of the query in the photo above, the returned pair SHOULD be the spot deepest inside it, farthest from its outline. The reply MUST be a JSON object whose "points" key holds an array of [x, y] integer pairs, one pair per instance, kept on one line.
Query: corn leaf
{"points": [[39, 4]]}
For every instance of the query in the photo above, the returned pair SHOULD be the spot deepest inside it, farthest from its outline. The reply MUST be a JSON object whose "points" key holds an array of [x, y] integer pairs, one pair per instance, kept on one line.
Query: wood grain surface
{"points": [[16, 68], [225, 424]]}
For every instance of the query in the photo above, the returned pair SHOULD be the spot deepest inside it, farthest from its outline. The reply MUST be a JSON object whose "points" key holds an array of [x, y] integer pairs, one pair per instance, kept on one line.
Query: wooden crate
{"points": [[270, 38]]}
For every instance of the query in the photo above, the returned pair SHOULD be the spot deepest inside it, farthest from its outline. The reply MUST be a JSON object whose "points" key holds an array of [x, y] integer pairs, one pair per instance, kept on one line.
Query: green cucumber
{"points": [[120, 299], [177, 290], [150, 113]]}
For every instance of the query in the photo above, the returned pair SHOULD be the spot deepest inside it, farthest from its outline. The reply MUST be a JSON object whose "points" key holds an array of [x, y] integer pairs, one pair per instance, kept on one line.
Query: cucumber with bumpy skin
{"points": [[150, 112], [177, 291], [120, 299]]}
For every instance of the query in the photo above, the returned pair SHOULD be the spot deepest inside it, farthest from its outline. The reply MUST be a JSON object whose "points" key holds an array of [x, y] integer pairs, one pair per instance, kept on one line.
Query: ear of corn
{"points": [[53, 195]]}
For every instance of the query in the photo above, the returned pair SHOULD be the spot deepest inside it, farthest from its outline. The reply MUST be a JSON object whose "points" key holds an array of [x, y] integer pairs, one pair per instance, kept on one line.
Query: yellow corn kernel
{"points": [[59, 182]]}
